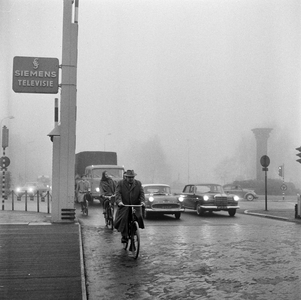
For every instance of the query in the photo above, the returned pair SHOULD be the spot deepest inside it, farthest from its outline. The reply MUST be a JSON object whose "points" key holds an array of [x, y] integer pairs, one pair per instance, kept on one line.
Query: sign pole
{"points": [[3, 179], [4, 161], [265, 161], [283, 193], [266, 190]]}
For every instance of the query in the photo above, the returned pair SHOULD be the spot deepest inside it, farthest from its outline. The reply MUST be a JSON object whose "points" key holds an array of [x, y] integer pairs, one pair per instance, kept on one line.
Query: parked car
{"points": [[32, 188], [209, 197], [247, 194], [160, 200]]}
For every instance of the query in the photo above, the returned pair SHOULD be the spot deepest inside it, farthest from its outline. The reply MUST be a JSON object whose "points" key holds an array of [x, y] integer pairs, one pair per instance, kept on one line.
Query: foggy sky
{"points": [[197, 74]]}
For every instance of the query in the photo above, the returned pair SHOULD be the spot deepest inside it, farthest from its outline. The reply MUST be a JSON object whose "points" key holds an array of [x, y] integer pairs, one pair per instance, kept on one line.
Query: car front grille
{"points": [[221, 201], [166, 206]]}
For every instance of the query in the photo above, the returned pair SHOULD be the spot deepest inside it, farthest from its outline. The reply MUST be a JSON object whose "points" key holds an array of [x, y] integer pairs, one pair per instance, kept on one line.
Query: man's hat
{"points": [[130, 173]]}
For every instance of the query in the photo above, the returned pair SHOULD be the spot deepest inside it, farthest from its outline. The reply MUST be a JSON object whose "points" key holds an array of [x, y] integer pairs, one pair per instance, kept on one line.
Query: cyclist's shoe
{"points": [[124, 239]]}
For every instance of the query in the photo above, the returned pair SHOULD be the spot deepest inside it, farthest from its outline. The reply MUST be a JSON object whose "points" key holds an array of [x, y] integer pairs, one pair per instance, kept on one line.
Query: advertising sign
{"points": [[35, 75]]}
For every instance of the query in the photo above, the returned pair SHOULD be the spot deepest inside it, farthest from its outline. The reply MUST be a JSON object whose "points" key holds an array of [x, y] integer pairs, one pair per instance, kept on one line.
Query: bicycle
{"points": [[109, 215], [85, 207], [133, 233]]}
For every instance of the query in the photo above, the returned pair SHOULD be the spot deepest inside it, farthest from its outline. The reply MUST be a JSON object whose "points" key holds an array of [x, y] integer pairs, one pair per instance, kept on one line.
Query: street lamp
{"points": [[10, 117], [104, 141]]}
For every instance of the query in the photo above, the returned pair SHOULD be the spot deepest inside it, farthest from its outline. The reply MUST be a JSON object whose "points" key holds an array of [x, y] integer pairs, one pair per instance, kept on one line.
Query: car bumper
{"points": [[95, 195], [164, 210], [214, 207]]}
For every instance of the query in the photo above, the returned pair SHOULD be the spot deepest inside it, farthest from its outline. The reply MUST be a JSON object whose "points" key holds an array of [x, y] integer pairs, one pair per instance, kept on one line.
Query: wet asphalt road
{"points": [[211, 257]]}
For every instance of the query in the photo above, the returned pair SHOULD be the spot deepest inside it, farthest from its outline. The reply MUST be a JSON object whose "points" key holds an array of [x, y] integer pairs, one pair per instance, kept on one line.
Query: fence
{"points": [[27, 202]]}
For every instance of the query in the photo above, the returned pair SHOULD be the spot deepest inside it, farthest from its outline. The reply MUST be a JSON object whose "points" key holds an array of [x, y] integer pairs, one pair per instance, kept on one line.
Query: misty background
{"points": [[174, 87]]}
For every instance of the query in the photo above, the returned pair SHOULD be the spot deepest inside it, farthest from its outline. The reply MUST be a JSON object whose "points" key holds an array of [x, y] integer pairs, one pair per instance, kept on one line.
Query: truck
{"points": [[93, 164], [89, 158]]}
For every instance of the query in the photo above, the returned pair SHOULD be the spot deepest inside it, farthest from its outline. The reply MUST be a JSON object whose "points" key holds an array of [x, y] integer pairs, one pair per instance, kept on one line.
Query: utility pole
{"points": [[64, 140]]}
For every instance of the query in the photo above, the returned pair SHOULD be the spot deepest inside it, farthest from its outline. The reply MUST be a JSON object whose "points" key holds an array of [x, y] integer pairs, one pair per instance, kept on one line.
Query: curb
{"points": [[268, 216], [82, 263]]}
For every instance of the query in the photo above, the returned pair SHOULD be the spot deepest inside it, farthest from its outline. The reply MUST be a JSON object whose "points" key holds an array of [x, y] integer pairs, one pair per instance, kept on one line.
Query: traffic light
{"points": [[280, 171], [299, 155]]}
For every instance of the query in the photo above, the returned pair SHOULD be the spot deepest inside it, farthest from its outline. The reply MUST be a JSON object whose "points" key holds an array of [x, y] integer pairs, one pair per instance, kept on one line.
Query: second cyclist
{"points": [[107, 188]]}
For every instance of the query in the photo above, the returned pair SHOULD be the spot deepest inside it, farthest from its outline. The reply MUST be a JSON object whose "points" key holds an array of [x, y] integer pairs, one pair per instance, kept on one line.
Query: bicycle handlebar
{"points": [[108, 197]]}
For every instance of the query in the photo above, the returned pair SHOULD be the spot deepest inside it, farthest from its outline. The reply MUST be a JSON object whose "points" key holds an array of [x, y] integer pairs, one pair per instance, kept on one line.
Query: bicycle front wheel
{"points": [[135, 240]]}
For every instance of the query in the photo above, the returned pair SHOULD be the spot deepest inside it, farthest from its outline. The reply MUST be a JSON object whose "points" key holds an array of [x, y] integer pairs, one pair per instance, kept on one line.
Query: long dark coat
{"points": [[107, 187], [133, 195]]}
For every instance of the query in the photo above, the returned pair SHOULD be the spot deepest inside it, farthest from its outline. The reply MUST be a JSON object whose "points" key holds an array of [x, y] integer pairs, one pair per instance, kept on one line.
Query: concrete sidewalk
{"points": [[39, 259]]}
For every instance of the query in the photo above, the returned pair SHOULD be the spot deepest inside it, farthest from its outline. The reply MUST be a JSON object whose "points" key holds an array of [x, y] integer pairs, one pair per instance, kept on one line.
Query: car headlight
{"points": [[97, 189], [151, 199], [236, 198], [181, 198], [206, 197], [30, 190], [18, 189]]}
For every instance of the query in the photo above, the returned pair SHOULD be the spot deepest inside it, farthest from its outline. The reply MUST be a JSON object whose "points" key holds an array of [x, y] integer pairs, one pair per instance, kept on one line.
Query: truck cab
{"points": [[94, 174]]}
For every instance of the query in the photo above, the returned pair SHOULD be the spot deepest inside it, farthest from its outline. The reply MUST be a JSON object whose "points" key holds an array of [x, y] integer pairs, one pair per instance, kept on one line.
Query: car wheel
{"points": [[250, 197], [199, 210], [177, 215], [232, 212]]}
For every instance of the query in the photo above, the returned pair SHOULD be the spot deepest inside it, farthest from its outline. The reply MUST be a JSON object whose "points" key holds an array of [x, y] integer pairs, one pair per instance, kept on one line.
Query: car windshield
{"points": [[208, 188], [158, 189], [115, 173]]}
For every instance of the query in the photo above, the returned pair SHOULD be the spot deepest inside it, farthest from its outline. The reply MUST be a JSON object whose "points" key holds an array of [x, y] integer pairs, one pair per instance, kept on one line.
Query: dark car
{"points": [[160, 200], [247, 194], [209, 197]]}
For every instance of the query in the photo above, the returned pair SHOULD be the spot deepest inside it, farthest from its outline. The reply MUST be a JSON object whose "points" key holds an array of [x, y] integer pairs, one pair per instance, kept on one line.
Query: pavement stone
{"points": [[63, 266]]}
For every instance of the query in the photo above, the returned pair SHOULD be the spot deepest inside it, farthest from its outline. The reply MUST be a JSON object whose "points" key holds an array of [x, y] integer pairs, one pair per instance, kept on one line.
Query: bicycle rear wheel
{"points": [[125, 245], [135, 240], [111, 218], [107, 216], [85, 209]]}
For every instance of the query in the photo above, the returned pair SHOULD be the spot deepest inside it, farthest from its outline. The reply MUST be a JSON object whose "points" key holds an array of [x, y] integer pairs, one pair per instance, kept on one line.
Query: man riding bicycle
{"points": [[107, 189], [129, 191], [83, 188]]}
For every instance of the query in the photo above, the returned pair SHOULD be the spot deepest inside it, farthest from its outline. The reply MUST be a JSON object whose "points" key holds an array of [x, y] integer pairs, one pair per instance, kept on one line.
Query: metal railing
{"points": [[28, 202]]}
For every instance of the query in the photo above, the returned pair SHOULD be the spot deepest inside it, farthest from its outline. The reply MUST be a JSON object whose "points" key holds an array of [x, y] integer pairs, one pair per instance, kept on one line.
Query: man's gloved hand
{"points": [[143, 204], [120, 204]]}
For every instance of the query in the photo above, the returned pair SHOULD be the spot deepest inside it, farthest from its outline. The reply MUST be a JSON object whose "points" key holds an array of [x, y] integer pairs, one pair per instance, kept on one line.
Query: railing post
{"points": [[38, 202], [48, 210], [12, 201], [25, 200]]}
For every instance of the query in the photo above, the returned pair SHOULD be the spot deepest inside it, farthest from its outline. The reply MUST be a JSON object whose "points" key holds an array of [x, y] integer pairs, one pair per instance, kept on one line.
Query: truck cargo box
{"points": [[88, 158]]}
